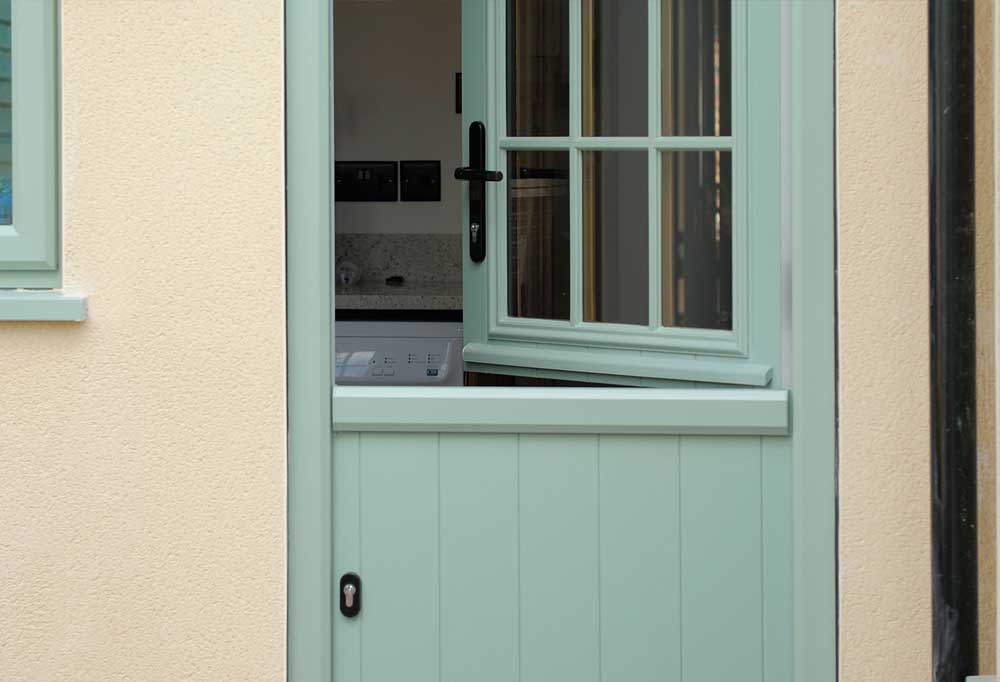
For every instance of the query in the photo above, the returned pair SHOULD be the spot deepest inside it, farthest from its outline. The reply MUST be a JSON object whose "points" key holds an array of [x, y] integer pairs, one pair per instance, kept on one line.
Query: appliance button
{"points": [[389, 372]]}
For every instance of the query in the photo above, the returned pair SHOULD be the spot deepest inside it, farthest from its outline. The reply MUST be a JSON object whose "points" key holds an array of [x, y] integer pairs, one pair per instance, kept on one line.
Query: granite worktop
{"points": [[377, 295], [430, 265]]}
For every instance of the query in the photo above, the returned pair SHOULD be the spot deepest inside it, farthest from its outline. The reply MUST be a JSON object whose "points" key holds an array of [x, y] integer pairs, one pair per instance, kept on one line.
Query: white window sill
{"points": [[732, 371], [42, 306]]}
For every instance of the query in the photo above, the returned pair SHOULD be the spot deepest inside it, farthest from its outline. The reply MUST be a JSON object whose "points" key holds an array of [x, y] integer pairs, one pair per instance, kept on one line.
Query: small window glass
{"points": [[695, 63], [6, 132], [616, 237], [538, 250], [538, 68], [697, 224], [615, 68]]}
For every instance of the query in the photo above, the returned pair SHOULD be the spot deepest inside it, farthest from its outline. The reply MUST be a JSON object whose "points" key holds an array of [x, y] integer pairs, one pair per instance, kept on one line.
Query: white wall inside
{"points": [[394, 87]]}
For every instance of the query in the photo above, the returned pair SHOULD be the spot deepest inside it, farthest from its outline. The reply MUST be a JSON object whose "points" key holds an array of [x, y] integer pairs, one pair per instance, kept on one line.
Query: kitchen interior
{"points": [[398, 134], [398, 210]]}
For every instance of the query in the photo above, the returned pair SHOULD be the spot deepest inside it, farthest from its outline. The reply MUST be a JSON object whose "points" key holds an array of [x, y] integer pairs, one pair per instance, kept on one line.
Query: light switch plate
{"points": [[420, 180]]}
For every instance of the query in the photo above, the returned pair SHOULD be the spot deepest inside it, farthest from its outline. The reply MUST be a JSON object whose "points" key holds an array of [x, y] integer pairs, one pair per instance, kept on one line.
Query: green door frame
{"points": [[810, 192], [308, 66]]}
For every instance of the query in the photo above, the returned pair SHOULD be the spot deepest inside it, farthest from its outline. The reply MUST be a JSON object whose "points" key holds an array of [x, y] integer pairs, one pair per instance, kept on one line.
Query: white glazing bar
{"points": [[723, 143], [533, 322], [653, 174], [576, 161], [609, 335], [535, 143], [612, 143], [497, 92], [576, 236], [635, 333]]}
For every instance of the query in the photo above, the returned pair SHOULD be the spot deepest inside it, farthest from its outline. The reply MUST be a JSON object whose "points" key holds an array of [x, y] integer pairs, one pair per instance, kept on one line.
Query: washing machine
{"points": [[398, 353]]}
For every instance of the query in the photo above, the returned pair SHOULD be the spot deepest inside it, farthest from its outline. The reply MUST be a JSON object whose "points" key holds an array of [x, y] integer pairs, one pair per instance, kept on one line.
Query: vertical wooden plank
{"points": [[640, 558], [346, 551], [721, 558], [399, 556], [479, 616], [559, 582], [777, 510]]}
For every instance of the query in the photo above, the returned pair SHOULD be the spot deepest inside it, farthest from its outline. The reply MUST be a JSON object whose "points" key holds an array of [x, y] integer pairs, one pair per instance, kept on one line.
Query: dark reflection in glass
{"points": [[616, 237], [615, 67], [697, 240], [538, 235], [538, 68], [695, 67]]}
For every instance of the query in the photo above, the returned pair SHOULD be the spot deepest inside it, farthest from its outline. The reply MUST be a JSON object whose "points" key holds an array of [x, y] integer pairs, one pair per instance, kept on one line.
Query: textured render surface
{"points": [[985, 337], [884, 449], [142, 459]]}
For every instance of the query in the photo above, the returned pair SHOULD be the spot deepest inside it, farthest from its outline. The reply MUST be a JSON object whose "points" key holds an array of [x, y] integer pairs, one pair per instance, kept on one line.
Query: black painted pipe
{"points": [[953, 336]]}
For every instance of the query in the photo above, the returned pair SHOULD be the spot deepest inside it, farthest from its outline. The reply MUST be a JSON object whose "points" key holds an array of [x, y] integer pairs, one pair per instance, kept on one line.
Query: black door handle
{"points": [[477, 176]]}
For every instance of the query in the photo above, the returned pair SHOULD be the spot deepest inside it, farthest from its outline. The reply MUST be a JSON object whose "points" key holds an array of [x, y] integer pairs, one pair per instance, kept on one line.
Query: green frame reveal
{"points": [[29, 249]]}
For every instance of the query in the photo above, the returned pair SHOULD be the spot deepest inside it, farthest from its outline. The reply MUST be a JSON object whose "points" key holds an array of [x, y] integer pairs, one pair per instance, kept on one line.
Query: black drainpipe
{"points": [[953, 336]]}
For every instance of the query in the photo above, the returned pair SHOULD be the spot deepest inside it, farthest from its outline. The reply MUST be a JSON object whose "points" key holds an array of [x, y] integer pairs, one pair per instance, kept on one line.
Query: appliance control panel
{"points": [[399, 361]]}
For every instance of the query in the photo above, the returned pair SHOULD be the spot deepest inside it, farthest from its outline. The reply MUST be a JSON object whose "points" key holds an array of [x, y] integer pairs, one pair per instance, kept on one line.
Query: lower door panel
{"points": [[583, 558]]}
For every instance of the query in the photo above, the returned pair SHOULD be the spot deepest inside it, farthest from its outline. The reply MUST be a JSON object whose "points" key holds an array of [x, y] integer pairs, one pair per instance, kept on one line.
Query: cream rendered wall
{"points": [[985, 336], [884, 439], [142, 453]]}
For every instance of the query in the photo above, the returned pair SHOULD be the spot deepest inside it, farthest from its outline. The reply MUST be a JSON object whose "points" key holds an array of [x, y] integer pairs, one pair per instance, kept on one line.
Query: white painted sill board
{"points": [[22, 305]]}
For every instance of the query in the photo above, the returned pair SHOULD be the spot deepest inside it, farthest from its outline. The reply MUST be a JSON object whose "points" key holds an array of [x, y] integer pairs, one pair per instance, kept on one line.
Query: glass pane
{"points": [[538, 235], [697, 240], [695, 67], [616, 237], [538, 68], [6, 156], [615, 67]]}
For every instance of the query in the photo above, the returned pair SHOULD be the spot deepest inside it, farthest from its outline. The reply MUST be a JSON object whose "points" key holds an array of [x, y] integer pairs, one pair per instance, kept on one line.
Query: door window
{"points": [[622, 147], [625, 139]]}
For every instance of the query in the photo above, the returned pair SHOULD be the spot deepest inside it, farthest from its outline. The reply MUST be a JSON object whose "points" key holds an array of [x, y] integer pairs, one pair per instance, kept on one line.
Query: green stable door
{"points": [[649, 223]]}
